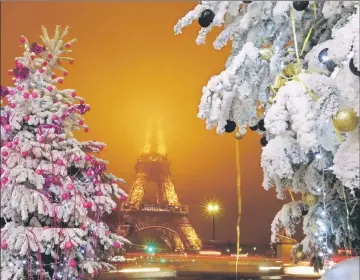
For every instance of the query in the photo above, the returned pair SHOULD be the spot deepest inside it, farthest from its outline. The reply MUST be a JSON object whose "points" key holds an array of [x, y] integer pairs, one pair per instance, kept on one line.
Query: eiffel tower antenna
{"points": [[160, 139], [147, 146]]}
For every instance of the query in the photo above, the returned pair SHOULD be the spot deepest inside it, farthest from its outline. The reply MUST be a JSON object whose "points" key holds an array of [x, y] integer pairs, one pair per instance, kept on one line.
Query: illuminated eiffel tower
{"points": [[167, 215]]}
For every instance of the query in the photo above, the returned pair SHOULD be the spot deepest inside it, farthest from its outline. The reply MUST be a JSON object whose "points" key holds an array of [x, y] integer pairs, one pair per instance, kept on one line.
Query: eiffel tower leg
{"points": [[168, 189], [138, 189], [190, 238]]}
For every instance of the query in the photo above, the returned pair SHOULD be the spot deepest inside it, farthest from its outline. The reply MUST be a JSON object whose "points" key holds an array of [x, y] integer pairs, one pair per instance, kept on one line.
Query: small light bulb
{"points": [[323, 213], [11, 264], [330, 251], [24, 261], [321, 254], [37, 263], [318, 156], [324, 58]]}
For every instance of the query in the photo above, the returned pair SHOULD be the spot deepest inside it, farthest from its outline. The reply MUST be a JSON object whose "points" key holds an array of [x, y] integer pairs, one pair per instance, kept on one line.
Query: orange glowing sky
{"points": [[129, 65]]}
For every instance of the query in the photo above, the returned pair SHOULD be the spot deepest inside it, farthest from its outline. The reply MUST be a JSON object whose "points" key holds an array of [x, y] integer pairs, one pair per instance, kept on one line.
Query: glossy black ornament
{"points": [[323, 55], [253, 128], [247, 2], [230, 126], [330, 65], [300, 5], [263, 141], [353, 69], [206, 18], [261, 125]]}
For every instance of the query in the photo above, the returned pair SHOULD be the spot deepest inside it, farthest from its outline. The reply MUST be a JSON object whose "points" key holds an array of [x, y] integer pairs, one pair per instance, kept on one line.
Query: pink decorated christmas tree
{"points": [[54, 190]]}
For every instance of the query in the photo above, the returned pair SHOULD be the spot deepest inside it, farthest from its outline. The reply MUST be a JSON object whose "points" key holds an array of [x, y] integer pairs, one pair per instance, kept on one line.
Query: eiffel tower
{"points": [[167, 216]]}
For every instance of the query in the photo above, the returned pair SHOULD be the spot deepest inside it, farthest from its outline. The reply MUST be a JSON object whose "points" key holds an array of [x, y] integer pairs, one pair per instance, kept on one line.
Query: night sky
{"points": [[128, 66]]}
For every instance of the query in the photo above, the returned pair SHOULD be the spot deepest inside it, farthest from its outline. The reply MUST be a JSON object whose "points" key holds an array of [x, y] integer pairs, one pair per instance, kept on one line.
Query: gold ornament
{"points": [[292, 69], [300, 255], [279, 82], [271, 100], [345, 120], [310, 199], [238, 135], [266, 54]]}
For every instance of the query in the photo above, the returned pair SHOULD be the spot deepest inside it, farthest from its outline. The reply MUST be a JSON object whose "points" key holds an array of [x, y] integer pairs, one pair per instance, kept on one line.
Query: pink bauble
{"points": [[9, 145], [89, 204], [45, 63], [42, 140], [10, 72], [22, 39], [8, 127], [12, 105], [76, 158], [32, 57], [55, 117], [81, 122], [73, 94], [16, 141], [67, 45], [89, 173], [87, 157], [72, 61], [53, 76], [49, 88], [34, 95], [26, 95], [4, 180], [65, 196], [65, 74], [11, 92], [114, 208], [86, 129], [116, 245], [41, 70], [99, 193], [72, 263], [5, 153], [45, 227], [3, 244], [107, 233], [25, 154], [26, 118], [39, 172], [70, 187], [59, 162], [50, 56], [68, 245], [82, 102], [60, 81], [123, 198]]}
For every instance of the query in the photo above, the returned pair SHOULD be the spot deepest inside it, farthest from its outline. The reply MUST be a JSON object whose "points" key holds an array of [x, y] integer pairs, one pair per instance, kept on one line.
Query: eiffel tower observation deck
{"points": [[167, 215]]}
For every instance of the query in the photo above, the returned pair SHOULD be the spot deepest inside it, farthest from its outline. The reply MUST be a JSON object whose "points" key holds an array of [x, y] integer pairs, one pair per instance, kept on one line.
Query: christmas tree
{"points": [[293, 76], [54, 190]]}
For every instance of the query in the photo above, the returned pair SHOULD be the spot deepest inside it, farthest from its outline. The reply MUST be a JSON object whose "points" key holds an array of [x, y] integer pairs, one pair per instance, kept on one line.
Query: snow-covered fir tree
{"points": [[293, 76], [54, 190]]}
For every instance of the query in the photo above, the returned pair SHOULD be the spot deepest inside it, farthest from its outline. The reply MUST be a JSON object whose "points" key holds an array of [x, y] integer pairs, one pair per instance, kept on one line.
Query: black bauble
{"points": [[261, 125], [304, 211], [330, 65], [253, 128], [353, 69], [323, 55], [247, 2], [263, 141], [230, 126], [300, 5], [206, 18]]}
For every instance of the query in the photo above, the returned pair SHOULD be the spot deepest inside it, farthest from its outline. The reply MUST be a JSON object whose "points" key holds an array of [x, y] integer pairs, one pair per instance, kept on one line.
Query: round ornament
{"points": [[323, 55], [263, 141], [238, 135], [345, 120], [247, 2], [261, 125], [353, 69], [253, 128], [300, 5], [300, 255], [206, 18], [230, 126], [330, 65], [310, 199]]}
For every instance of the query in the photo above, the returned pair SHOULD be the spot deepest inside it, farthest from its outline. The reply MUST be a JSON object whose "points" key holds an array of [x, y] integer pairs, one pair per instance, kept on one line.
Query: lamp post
{"points": [[213, 209]]}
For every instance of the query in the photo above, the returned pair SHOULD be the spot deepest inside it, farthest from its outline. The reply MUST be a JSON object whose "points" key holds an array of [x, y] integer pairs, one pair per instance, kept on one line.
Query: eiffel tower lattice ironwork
{"points": [[167, 215]]}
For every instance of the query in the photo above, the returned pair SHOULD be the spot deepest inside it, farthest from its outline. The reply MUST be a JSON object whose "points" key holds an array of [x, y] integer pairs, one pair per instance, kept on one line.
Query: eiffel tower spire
{"points": [[154, 143]]}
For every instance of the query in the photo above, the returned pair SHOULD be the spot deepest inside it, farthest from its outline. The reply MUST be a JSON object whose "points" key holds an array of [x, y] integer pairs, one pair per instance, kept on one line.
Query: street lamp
{"points": [[213, 208]]}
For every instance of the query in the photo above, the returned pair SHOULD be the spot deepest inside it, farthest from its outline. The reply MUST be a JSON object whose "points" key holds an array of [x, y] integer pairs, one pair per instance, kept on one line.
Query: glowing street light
{"points": [[213, 208]]}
